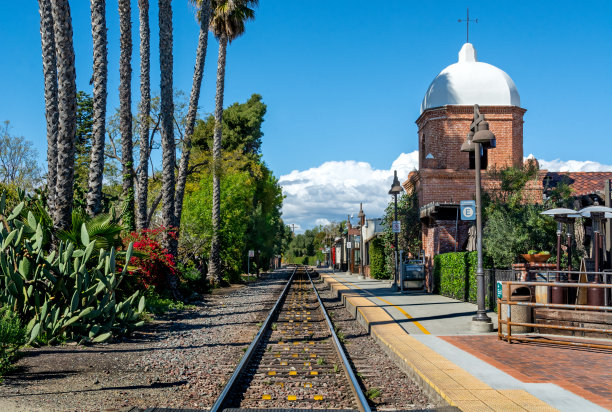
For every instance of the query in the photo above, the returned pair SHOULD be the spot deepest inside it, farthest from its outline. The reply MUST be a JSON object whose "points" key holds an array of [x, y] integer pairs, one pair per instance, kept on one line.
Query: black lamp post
{"points": [[361, 216], [478, 139], [396, 189]]}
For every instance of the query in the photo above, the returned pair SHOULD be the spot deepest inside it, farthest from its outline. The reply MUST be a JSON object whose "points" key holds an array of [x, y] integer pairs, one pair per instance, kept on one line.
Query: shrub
{"points": [[450, 274], [64, 294], [455, 276], [378, 267], [12, 336], [151, 264]]}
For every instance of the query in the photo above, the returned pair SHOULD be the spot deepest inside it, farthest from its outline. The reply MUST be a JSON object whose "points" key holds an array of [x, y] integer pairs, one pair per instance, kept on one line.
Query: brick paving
{"points": [[585, 372]]}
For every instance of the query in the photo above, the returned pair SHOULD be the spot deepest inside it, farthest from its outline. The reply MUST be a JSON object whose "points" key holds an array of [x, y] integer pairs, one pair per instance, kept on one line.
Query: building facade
{"points": [[446, 175]]}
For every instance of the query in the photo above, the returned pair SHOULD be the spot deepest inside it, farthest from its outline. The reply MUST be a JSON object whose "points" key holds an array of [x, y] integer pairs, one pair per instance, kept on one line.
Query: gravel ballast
{"points": [[183, 359]]}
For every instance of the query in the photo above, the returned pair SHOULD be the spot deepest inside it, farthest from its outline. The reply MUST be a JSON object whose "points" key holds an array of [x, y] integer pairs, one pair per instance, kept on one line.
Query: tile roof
{"points": [[582, 183]]}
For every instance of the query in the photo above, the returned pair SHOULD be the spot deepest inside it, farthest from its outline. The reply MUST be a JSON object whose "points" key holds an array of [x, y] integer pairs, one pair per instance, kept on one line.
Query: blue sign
{"points": [[468, 209]]}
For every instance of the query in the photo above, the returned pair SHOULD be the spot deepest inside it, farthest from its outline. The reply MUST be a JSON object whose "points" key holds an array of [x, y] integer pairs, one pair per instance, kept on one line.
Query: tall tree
{"points": [[18, 163], [198, 74], [83, 140], [125, 110], [167, 117], [99, 79], [47, 38], [227, 23], [145, 110], [66, 75]]}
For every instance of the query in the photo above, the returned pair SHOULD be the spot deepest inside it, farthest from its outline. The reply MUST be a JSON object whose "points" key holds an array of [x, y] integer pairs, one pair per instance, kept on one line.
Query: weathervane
{"points": [[467, 21]]}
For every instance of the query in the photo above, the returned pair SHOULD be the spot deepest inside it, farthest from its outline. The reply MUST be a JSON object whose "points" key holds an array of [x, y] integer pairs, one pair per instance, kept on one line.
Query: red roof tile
{"points": [[582, 183]]}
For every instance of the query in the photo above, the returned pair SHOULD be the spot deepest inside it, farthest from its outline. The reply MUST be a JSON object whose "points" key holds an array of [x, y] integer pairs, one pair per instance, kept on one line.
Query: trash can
{"points": [[521, 314]]}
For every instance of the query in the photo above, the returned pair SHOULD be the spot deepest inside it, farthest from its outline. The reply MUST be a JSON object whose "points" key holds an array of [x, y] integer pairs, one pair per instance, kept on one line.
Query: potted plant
{"points": [[534, 256]]}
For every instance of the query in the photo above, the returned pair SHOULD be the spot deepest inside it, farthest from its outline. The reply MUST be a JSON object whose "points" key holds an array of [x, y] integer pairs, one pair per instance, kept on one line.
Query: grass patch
{"points": [[158, 304], [373, 393]]}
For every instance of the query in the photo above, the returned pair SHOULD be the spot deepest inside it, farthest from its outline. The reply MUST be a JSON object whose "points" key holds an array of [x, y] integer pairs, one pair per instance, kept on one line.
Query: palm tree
{"points": [[99, 79], [198, 74], [66, 75], [125, 112], [47, 39], [227, 23], [167, 118], [145, 109]]}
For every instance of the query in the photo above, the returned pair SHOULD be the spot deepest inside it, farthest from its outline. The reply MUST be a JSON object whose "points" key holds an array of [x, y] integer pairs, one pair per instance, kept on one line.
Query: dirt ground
{"points": [[179, 360]]}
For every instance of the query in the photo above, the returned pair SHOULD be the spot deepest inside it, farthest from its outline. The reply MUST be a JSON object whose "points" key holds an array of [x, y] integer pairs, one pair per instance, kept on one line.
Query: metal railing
{"points": [[507, 300]]}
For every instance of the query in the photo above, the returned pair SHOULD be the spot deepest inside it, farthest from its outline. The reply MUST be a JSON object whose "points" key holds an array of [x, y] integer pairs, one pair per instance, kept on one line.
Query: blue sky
{"points": [[343, 80]]}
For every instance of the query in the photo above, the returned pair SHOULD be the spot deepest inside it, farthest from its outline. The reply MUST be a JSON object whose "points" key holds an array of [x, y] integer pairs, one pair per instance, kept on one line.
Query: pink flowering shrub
{"points": [[151, 264]]}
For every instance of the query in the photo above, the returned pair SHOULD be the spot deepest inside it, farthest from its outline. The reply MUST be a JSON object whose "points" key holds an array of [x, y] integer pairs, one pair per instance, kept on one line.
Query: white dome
{"points": [[470, 82]]}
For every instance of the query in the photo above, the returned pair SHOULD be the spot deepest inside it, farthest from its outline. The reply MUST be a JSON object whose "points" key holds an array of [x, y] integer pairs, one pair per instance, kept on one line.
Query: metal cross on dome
{"points": [[467, 22]]}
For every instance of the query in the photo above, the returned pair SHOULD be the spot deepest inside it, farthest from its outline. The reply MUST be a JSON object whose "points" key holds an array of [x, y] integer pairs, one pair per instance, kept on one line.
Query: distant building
{"points": [[446, 175]]}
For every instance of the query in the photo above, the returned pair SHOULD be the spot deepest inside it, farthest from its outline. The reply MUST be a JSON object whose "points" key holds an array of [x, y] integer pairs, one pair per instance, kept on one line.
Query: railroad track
{"points": [[295, 360]]}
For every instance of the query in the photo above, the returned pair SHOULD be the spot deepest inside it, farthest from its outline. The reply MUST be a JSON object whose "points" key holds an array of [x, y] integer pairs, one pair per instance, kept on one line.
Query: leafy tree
{"points": [[84, 130], [238, 190], [18, 162], [513, 223], [241, 127], [409, 239]]}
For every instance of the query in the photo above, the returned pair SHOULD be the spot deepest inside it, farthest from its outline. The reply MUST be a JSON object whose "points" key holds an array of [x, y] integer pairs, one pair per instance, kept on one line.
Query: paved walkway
{"points": [[430, 336]]}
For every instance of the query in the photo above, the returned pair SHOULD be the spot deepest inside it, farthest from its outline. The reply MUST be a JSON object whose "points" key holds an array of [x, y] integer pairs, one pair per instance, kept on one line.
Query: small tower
{"points": [[446, 175]]}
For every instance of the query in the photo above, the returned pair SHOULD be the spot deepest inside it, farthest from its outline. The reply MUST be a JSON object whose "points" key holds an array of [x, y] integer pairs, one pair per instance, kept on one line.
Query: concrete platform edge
{"points": [[438, 394]]}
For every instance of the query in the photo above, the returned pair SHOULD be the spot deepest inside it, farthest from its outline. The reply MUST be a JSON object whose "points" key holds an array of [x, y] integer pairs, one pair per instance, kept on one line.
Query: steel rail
{"points": [[362, 402], [251, 349]]}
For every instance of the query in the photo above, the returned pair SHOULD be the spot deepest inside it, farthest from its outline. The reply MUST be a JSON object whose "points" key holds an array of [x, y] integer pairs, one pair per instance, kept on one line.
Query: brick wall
{"points": [[443, 130]]}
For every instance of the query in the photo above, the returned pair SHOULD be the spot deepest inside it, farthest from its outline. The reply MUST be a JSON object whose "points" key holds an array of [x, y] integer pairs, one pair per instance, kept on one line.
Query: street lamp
{"points": [[361, 216], [595, 296], [396, 189], [563, 215], [479, 138]]}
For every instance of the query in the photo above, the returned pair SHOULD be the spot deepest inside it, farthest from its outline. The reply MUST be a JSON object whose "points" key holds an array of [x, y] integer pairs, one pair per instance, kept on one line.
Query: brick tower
{"points": [[446, 175]]}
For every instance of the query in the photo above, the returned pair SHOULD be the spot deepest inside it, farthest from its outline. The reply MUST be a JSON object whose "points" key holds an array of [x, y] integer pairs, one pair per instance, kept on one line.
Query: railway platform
{"points": [[429, 337]]}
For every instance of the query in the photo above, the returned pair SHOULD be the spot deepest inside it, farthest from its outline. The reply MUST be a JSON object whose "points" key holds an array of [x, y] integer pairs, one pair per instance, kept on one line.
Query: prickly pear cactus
{"points": [[65, 293]]}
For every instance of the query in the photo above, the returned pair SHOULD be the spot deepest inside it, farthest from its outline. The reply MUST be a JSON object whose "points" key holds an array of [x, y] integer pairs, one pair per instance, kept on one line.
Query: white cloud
{"points": [[334, 189], [558, 165]]}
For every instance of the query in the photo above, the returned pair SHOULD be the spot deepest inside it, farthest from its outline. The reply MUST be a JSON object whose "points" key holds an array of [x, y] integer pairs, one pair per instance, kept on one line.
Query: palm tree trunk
{"points": [[100, 75], [47, 39], [145, 109], [66, 74], [198, 74], [167, 118], [215, 246], [125, 112]]}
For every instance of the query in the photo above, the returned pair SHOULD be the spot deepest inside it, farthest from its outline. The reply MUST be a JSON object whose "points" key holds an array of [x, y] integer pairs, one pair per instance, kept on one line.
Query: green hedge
{"points": [[455, 276], [450, 271], [378, 269]]}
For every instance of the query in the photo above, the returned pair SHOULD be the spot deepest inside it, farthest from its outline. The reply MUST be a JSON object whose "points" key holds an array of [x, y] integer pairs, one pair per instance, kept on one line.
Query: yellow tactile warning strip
{"points": [[455, 385]]}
